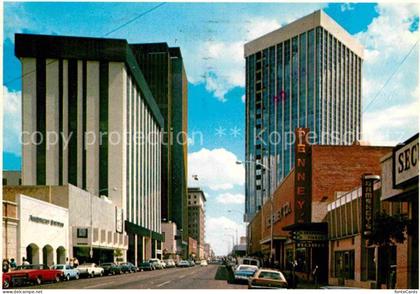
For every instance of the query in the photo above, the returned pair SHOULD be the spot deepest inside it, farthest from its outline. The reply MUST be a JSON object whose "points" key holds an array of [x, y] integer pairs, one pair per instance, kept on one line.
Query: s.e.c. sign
{"points": [[406, 162]]}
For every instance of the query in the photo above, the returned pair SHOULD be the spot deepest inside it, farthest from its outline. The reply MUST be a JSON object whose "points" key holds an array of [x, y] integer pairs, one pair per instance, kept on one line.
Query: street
{"points": [[174, 278]]}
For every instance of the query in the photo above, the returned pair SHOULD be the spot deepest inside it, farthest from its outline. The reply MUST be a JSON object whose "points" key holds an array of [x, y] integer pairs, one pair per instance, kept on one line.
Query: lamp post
{"points": [[271, 203]]}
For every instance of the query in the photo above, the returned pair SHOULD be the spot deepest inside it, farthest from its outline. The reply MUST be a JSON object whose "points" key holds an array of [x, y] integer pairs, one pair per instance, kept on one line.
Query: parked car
{"points": [[110, 268], [35, 273], [128, 267], [169, 263], [250, 261], [156, 263], [243, 272], [184, 263], [192, 263], [68, 271], [197, 262], [90, 270], [267, 279], [146, 266], [203, 262]]}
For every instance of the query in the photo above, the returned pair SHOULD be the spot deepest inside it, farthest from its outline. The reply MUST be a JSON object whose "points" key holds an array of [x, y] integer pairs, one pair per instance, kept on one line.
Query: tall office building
{"points": [[196, 218], [305, 74], [164, 71], [89, 97]]}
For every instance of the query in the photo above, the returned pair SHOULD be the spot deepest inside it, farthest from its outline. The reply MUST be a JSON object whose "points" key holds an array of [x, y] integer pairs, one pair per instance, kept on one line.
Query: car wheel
{"points": [[57, 278], [38, 281], [77, 276], [92, 274], [6, 284], [68, 277], [101, 274]]}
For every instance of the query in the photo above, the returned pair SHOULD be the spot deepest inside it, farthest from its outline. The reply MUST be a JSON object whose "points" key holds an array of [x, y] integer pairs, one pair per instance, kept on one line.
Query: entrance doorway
{"points": [[61, 255], [32, 253], [48, 255]]}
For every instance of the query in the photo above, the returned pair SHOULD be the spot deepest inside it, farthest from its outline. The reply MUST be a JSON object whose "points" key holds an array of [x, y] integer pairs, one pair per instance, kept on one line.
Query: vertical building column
{"points": [[80, 114], [65, 117], [92, 135], [117, 154], [51, 122], [135, 248], [29, 113]]}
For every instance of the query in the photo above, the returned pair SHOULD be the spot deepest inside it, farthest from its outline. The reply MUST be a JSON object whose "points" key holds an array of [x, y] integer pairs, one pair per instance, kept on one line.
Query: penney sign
{"points": [[405, 160], [302, 177]]}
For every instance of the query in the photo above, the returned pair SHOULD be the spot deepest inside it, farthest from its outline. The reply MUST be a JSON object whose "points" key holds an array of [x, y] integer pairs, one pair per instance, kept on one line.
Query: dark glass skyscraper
{"points": [[306, 74]]}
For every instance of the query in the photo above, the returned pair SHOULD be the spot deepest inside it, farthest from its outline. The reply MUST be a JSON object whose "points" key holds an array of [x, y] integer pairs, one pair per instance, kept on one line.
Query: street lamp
{"points": [[271, 202]]}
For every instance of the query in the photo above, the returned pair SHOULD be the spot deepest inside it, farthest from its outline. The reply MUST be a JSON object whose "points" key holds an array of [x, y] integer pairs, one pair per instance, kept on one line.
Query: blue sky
{"points": [[211, 37]]}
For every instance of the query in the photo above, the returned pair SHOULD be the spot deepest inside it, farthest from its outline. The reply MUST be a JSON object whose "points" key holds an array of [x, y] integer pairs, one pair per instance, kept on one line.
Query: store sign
{"points": [[367, 205], [302, 177], [310, 236], [310, 244], [405, 162], [280, 214], [37, 219]]}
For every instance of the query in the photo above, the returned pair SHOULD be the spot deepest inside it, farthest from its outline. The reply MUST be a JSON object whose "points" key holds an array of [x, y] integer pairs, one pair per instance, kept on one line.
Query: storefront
{"points": [[400, 196], [298, 211], [35, 230]]}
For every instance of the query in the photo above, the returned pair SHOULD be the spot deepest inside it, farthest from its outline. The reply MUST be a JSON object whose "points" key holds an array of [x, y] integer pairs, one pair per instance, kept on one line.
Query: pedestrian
{"points": [[25, 261], [5, 266], [13, 264], [76, 262], [72, 262], [67, 261], [315, 275]]}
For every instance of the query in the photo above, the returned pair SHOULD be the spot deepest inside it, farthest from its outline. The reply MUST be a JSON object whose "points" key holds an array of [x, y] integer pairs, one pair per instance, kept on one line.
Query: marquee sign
{"points": [[405, 160], [302, 203]]}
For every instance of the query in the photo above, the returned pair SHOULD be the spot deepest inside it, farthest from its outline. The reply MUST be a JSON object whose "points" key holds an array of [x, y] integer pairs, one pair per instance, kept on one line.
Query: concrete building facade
{"points": [[12, 178], [163, 69], [305, 74], [87, 104], [196, 218]]}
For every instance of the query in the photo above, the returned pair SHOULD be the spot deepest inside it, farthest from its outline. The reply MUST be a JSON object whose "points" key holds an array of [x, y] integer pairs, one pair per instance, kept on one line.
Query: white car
{"points": [[203, 262], [159, 264], [90, 270]]}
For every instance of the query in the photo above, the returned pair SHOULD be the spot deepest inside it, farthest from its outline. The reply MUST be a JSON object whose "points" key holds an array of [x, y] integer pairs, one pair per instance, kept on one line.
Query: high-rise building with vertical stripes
{"points": [[163, 69], [90, 120], [305, 74]]}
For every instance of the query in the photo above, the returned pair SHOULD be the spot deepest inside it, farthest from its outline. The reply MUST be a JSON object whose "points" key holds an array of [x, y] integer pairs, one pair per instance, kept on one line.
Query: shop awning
{"points": [[307, 227], [275, 238], [131, 228]]}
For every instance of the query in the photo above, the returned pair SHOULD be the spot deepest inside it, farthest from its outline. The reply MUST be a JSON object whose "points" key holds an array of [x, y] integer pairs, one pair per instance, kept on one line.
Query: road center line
{"points": [[164, 283]]}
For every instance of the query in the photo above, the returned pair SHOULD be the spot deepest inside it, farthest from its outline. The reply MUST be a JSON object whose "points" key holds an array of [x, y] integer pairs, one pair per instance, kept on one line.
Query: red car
{"points": [[34, 273]]}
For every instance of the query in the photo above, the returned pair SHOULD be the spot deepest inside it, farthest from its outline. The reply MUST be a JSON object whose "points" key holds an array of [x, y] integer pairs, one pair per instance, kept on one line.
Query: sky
{"points": [[211, 37]]}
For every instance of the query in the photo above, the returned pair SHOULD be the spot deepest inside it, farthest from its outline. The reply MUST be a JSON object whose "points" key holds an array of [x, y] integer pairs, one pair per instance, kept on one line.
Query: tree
{"points": [[387, 231]]}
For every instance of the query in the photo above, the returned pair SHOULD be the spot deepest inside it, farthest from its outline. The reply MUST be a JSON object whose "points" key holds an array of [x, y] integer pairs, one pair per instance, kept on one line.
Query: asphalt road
{"points": [[176, 278]]}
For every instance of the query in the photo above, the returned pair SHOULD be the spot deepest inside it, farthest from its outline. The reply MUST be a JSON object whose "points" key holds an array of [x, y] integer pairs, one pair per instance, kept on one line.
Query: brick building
{"points": [[299, 204]]}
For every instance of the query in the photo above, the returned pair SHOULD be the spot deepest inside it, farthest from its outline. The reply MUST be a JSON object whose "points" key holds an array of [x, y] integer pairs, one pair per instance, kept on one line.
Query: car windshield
{"points": [[59, 267], [270, 275]]}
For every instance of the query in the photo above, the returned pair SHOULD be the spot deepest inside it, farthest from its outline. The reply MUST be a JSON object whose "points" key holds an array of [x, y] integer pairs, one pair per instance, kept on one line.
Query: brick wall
{"points": [[339, 169]]}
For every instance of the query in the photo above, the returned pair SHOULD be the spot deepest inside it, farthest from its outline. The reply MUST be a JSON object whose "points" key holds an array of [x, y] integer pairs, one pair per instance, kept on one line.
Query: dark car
{"points": [[146, 266], [110, 268], [128, 267]]}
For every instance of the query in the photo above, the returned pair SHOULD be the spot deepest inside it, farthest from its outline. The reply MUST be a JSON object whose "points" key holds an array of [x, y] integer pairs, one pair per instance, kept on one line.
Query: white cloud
{"points": [[346, 7], [388, 127], [12, 121], [219, 232], [216, 169], [387, 41], [229, 198]]}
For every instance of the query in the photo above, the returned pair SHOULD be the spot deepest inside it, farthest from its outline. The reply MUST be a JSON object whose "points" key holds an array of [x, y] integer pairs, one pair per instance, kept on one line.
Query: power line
{"points": [[391, 76], [107, 34]]}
